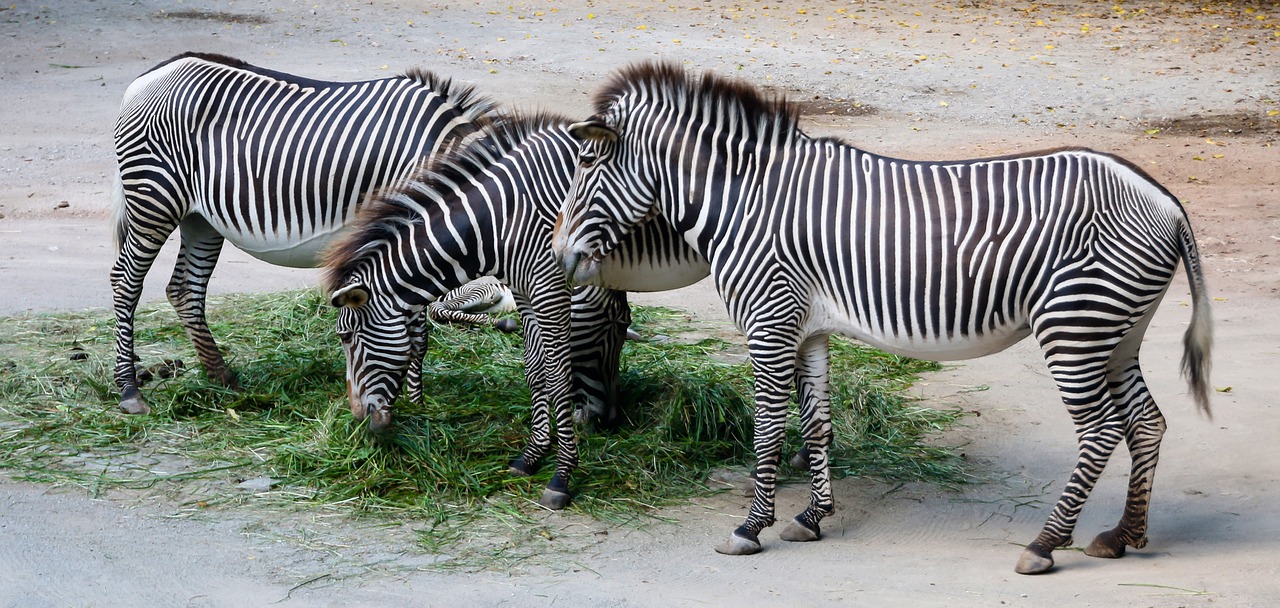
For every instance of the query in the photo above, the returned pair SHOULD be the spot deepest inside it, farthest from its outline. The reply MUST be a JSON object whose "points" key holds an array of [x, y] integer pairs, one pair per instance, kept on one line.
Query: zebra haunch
{"points": [[938, 260], [277, 164], [485, 209]]}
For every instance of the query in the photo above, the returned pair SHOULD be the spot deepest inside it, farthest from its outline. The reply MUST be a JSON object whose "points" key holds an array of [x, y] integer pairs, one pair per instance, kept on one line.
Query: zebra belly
{"points": [[295, 251], [826, 317]]}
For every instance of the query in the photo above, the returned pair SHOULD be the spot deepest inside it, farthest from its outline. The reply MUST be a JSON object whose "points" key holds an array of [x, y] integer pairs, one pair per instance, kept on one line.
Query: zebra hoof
{"points": [[554, 499], [506, 326], [798, 532], [520, 468], [800, 460], [1106, 544], [134, 404], [740, 543], [1034, 560]]}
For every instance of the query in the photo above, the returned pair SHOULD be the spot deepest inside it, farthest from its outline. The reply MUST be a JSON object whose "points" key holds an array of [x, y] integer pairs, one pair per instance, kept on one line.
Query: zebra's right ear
{"points": [[354, 295], [592, 129]]}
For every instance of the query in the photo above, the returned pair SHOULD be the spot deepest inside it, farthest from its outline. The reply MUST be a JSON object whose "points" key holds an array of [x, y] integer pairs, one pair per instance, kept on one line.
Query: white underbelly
{"points": [[296, 251], [827, 318]]}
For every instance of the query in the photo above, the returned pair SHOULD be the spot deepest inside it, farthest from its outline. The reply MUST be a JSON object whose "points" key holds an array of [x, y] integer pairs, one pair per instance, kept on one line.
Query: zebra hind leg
{"points": [[187, 289], [1082, 381], [1143, 433], [813, 388], [137, 252]]}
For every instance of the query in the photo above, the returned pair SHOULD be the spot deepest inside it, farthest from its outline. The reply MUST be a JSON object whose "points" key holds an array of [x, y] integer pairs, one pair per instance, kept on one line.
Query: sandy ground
{"points": [[1188, 90]]}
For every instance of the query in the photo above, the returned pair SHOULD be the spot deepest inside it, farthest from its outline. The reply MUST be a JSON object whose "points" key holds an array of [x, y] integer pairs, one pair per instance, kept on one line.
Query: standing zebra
{"points": [[940, 260], [486, 209], [277, 164]]}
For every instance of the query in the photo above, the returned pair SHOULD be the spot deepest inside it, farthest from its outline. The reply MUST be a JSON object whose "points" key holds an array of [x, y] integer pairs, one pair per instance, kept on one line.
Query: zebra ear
{"points": [[592, 129], [354, 295]]}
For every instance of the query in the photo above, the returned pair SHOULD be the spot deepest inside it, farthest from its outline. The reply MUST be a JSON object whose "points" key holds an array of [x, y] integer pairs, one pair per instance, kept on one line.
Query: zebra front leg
{"points": [[773, 371], [539, 443], [419, 340], [187, 291], [813, 387], [1143, 433]]}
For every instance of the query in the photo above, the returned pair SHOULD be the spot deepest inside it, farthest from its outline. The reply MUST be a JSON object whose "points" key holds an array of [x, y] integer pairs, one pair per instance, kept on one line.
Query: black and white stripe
{"points": [[272, 162], [939, 260], [488, 209]]}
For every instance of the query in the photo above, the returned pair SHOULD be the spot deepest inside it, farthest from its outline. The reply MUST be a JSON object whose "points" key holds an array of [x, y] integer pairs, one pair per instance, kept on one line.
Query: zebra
{"points": [[939, 260], [484, 209], [277, 164]]}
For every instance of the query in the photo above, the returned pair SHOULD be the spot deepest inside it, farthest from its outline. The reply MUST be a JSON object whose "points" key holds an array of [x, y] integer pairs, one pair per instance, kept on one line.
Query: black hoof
{"points": [[554, 499], [506, 325], [520, 468]]}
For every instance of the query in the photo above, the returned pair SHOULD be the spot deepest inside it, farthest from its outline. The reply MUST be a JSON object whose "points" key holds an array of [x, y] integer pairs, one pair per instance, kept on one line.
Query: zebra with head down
{"points": [[485, 209], [277, 164], [940, 260]]}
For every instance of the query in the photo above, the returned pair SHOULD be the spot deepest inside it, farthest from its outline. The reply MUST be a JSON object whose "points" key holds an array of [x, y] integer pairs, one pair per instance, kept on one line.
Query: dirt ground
{"points": [[1188, 90]]}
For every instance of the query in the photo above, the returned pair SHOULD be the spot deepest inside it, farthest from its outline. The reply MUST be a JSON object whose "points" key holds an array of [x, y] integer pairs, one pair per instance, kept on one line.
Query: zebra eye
{"points": [[345, 336], [587, 159]]}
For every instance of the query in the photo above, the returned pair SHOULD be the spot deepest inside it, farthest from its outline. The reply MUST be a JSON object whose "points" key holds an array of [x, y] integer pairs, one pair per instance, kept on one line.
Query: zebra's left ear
{"points": [[592, 129], [354, 295]]}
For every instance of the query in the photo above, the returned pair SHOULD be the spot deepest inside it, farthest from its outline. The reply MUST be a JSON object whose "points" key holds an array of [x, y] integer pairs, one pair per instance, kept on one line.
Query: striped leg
{"points": [[546, 340], [773, 360], [1143, 433], [598, 333], [1081, 375], [419, 339], [539, 443], [137, 253], [188, 288], [813, 387]]}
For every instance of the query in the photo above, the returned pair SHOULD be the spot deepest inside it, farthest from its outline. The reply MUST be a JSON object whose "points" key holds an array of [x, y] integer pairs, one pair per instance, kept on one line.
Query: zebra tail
{"points": [[1198, 339], [118, 213]]}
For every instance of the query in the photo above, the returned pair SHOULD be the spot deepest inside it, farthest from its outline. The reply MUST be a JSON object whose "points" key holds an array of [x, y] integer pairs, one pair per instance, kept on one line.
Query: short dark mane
{"points": [[666, 80], [468, 102], [387, 212]]}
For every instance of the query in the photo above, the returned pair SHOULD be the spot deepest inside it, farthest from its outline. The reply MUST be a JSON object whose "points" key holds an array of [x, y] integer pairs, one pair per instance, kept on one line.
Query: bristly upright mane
{"points": [[472, 105], [387, 212], [711, 95]]}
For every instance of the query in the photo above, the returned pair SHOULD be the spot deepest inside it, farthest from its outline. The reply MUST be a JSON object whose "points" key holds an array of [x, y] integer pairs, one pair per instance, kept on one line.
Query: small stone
{"points": [[258, 485]]}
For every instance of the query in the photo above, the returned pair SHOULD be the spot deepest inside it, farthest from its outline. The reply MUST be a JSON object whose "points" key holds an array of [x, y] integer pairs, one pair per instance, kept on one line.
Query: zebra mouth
{"points": [[587, 268]]}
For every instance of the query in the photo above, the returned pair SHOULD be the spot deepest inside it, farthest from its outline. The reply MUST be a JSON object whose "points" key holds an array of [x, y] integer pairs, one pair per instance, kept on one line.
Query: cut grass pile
{"points": [[445, 466]]}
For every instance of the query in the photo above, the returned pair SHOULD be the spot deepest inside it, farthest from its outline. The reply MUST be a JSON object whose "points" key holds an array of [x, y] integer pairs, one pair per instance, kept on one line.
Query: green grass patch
{"points": [[687, 413]]}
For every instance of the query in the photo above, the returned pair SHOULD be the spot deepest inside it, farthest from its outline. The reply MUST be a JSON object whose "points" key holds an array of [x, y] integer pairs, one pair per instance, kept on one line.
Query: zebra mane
{"points": [[472, 105], [389, 212], [710, 95]]}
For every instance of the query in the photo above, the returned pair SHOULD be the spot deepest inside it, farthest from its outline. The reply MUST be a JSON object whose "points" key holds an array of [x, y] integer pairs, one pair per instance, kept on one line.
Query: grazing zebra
{"points": [[277, 164], [939, 260], [486, 209]]}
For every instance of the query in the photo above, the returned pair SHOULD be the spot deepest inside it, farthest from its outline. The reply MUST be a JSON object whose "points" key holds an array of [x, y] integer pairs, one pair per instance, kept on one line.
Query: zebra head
{"points": [[609, 196], [380, 340]]}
